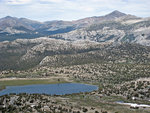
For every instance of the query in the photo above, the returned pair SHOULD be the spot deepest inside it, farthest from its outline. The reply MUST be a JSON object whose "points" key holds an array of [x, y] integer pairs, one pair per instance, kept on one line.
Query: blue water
{"points": [[51, 89]]}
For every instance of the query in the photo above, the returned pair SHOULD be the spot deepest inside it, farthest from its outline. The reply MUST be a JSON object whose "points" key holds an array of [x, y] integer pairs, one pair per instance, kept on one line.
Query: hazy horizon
{"points": [[69, 10]]}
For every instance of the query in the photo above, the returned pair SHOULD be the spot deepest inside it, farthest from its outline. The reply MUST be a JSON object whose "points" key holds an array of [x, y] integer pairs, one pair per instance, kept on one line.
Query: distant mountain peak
{"points": [[9, 17], [115, 13]]}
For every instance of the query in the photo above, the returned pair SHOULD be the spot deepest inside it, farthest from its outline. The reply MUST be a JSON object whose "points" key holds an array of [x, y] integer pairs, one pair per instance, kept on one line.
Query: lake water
{"points": [[51, 89]]}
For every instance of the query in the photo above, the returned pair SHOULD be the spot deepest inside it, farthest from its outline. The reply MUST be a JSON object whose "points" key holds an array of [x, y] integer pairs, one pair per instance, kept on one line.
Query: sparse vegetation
{"points": [[109, 54]]}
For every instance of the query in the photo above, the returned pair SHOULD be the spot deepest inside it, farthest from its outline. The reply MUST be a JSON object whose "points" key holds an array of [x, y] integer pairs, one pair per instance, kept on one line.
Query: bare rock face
{"points": [[102, 35], [115, 27], [13, 28], [124, 29], [47, 46]]}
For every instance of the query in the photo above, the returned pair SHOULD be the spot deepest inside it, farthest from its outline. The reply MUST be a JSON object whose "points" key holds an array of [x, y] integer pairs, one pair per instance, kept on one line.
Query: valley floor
{"points": [[129, 83], [94, 102]]}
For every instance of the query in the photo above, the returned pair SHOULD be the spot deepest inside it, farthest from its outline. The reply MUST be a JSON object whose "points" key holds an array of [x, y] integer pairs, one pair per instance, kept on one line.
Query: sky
{"points": [[46, 10]]}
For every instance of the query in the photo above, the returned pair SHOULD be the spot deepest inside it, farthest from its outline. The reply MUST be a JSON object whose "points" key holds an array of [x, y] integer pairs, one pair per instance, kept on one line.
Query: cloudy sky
{"points": [[44, 10]]}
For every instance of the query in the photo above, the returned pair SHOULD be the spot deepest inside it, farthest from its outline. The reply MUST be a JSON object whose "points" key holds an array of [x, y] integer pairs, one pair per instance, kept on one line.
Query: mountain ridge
{"points": [[38, 29], [115, 12], [116, 27]]}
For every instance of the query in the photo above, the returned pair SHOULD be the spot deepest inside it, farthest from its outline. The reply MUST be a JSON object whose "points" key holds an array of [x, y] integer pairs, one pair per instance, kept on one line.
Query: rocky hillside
{"points": [[127, 28], [113, 38], [115, 27], [12, 28], [28, 53]]}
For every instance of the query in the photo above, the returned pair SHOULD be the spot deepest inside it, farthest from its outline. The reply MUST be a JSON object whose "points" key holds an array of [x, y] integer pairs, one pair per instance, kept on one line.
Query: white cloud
{"points": [[53, 1], [18, 2]]}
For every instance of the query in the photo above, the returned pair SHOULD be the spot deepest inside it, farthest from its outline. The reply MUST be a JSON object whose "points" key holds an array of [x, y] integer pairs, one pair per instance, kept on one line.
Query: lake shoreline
{"points": [[50, 89], [31, 81]]}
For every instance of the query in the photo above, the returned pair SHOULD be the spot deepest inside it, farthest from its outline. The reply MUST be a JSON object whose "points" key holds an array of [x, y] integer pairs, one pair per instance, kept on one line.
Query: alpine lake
{"points": [[49, 89]]}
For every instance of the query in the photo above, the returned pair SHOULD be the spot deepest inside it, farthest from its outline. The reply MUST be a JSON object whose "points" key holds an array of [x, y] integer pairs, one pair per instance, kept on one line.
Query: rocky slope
{"points": [[27, 53], [12, 28], [124, 29], [113, 38], [115, 27]]}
